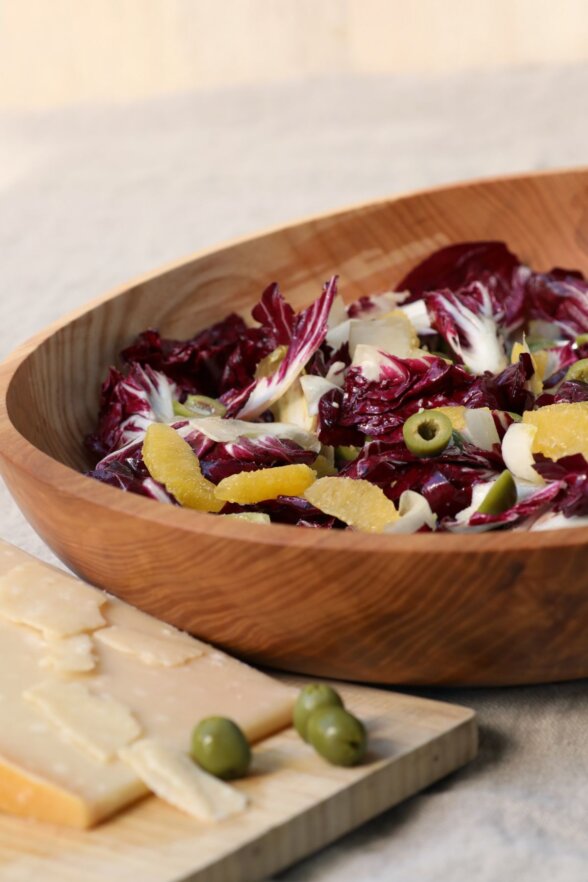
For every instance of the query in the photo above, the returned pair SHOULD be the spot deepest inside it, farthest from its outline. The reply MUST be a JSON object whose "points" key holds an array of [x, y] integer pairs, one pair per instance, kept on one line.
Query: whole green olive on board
{"points": [[220, 747], [311, 697], [337, 735]]}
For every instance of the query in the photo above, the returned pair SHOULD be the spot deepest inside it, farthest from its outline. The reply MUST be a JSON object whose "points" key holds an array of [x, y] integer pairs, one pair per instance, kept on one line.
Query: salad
{"points": [[456, 403]]}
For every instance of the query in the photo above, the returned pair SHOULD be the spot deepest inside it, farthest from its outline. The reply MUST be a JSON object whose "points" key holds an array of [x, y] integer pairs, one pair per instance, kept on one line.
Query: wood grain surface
{"points": [[495, 608], [298, 804]]}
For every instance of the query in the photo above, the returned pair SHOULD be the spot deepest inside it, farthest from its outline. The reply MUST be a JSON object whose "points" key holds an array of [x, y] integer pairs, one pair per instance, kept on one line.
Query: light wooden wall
{"points": [[55, 52]]}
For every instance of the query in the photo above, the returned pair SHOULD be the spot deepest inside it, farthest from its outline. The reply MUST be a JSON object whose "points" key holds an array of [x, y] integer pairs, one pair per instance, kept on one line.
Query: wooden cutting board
{"points": [[299, 804]]}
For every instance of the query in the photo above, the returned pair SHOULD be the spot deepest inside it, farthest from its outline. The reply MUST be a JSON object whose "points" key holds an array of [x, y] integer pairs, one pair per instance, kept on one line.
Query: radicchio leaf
{"points": [[309, 332], [290, 510], [456, 266], [275, 315], [572, 472], [570, 392], [468, 321], [560, 297], [128, 404], [505, 391], [378, 406], [249, 454], [122, 475]]}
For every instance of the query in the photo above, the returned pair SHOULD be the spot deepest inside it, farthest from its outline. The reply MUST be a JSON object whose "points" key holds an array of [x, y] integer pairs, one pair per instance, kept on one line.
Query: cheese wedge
{"points": [[57, 750]]}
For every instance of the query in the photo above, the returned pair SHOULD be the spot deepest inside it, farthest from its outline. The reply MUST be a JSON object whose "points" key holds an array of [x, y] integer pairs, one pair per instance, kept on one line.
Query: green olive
{"points": [[220, 747], [311, 697], [578, 371], [581, 340], [199, 405], [501, 496], [427, 433], [347, 452], [337, 735]]}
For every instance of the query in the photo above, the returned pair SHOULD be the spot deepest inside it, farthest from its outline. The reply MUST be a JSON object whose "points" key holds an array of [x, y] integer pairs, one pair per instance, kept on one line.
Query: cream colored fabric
{"points": [[89, 198]]}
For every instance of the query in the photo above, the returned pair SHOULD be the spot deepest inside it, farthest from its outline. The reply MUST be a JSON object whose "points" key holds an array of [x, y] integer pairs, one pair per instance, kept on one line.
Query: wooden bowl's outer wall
{"points": [[441, 609]]}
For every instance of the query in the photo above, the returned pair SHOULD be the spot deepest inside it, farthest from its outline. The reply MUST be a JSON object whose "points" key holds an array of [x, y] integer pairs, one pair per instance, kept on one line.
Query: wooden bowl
{"points": [[495, 608]]}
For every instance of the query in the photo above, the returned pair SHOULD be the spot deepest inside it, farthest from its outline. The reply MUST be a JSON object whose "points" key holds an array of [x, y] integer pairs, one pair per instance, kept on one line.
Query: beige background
{"points": [[55, 52]]}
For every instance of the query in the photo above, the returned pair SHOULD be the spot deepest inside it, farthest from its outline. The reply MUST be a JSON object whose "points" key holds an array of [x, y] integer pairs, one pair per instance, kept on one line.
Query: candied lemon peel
{"points": [[171, 461], [247, 488], [356, 502], [562, 429]]}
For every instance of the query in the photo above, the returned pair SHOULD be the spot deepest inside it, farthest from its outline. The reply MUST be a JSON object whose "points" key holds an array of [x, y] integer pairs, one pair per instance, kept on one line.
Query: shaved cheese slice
{"points": [[167, 652], [70, 655], [172, 776], [50, 601], [97, 724]]}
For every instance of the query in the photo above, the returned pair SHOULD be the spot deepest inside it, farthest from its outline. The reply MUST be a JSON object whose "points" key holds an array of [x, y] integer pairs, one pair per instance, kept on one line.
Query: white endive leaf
{"points": [[517, 452], [391, 333], [415, 512], [314, 388], [227, 431], [480, 428]]}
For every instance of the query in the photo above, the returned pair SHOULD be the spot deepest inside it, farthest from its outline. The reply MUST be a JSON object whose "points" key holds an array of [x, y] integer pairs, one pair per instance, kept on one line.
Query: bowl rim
{"points": [[24, 456]]}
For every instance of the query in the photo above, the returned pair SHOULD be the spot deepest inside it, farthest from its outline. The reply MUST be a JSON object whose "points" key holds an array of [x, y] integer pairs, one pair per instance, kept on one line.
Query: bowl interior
{"points": [[542, 218]]}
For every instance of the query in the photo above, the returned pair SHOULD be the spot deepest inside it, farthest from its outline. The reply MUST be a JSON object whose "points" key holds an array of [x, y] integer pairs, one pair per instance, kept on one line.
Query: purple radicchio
{"points": [[249, 454], [469, 321], [561, 298], [572, 473], [375, 402], [125, 477], [128, 404], [310, 329], [457, 266]]}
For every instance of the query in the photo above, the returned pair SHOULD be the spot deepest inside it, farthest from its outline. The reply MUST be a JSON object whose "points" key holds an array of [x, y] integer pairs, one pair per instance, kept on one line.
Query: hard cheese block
{"points": [[67, 710]]}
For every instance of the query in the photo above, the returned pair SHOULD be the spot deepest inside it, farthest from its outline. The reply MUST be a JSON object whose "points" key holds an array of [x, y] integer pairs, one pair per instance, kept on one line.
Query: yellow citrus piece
{"points": [[355, 502], [171, 461], [562, 429], [455, 415], [247, 488]]}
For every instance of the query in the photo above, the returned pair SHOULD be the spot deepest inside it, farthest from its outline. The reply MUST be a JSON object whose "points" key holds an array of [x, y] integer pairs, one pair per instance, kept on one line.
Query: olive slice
{"points": [[581, 339], [199, 405], [501, 496], [578, 372], [427, 433]]}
